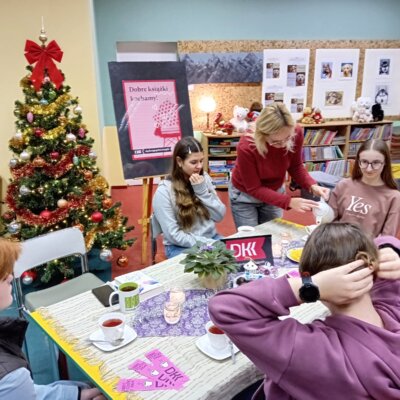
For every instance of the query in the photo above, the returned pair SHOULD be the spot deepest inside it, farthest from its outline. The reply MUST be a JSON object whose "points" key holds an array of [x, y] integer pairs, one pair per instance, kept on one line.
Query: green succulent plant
{"points": [[209, 259]]}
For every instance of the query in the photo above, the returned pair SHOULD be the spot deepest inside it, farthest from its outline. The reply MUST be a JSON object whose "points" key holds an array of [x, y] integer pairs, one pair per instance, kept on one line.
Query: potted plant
{"points": [[211, 262]]}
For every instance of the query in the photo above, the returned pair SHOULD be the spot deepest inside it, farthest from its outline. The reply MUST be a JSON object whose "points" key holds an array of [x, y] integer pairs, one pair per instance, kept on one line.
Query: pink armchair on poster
{"points": [[167, 123]]}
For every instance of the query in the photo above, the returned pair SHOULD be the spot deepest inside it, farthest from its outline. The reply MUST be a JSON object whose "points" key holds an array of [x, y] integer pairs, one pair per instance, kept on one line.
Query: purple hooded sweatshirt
{"points": [[339, 358]]}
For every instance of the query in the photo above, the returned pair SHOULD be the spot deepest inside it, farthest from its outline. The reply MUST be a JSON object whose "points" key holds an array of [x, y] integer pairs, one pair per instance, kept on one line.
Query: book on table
{"points": [[149, 287]]}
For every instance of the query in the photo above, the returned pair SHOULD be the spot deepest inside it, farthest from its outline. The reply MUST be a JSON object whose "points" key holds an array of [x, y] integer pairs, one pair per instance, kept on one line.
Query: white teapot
{"points": [[323, 213]]}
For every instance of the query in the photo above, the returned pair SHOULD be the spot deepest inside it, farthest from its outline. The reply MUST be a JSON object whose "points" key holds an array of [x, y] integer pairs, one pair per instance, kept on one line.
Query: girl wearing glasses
{"points": [[370, 197], [257, 188]]}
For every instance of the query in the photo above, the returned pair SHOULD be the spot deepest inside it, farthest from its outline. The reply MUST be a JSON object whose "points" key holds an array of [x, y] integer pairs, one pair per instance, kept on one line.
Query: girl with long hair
{"points": [[369, 198], [354, 353], [257, 189], [186, 204]]}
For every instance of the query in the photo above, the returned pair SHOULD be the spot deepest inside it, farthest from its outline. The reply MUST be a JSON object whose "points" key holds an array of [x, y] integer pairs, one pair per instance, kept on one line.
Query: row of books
{"points": [[225, 142], [338, 167], [395, 144], [322, 153], [219, 178], [315, 137], [378, 132], [221, 151], [353, 148]]}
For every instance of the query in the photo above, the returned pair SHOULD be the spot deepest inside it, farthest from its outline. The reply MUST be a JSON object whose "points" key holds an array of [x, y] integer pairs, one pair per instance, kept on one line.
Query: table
{"points": [[70, 322]]}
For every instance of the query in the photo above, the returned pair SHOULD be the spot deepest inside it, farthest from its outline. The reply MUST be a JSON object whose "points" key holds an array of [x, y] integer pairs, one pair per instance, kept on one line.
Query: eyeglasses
{"points": [[279, 142], [374, 164]]}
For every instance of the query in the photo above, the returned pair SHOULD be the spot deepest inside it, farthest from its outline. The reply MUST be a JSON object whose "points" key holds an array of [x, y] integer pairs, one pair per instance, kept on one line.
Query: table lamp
{"points": [[207, 104]]}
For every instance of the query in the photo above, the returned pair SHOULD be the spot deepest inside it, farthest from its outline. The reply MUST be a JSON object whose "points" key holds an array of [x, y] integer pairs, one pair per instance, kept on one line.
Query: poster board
{"points": [[335, 81], [285, 77], [152, 112], [381, 78]]}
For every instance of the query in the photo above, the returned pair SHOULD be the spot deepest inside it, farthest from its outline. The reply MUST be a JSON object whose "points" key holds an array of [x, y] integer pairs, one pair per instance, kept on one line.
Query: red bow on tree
{"points": [[44, 57]]}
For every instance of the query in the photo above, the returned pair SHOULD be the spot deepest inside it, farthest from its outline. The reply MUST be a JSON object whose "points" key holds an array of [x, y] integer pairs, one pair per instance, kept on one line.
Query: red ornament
{"points": [[39, 132], [97, 216], [54, 155], [8, 216], [28, 277], [45, 214]]}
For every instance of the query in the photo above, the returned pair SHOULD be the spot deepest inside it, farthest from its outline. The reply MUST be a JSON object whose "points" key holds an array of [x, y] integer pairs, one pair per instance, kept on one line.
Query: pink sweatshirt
{"points": [[374, 208], [339, 358], [260, 177]]}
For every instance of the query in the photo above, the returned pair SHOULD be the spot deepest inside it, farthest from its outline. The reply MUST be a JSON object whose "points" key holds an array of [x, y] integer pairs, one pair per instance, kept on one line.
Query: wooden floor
{"points": [[131, 200]]}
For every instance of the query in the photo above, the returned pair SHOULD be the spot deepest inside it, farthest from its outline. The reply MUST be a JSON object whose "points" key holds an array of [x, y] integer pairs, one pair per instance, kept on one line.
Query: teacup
{"points": [[112, 325], [216, 336], [128, 294], [323, 213]]}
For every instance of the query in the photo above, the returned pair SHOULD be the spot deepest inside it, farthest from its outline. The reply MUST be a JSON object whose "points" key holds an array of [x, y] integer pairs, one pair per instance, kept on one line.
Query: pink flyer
{"points": [[152, 112]]}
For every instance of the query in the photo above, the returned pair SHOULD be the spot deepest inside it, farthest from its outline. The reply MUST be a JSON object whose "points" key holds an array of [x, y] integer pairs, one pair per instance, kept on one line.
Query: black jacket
{"points": [[12, 334]]}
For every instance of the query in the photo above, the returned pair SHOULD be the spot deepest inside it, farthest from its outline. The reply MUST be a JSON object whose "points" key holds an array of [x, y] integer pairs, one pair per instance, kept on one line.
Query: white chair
{"points": [[155, 231], [45, 248]]}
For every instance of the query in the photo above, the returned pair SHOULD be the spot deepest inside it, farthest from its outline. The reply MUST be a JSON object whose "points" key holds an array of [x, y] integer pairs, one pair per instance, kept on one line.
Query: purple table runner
{"points": [[149, 316]]}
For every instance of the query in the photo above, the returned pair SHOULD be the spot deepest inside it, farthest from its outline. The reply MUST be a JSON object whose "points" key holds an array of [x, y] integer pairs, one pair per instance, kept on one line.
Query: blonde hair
{"points": [[272, 118], [9, 253]]}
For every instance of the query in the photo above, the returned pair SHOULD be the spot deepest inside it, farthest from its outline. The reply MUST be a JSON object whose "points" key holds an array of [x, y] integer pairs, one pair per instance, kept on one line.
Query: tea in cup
{"points": [[113, 326], [216, 336], [128, 294]]}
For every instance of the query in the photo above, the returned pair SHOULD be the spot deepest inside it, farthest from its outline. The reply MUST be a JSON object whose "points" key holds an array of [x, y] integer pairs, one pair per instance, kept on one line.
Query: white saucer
{"points": [[203, 344], [129, 335]]}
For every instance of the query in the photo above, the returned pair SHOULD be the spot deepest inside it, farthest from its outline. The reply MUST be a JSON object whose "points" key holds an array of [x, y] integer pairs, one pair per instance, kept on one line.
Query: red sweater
{"points": [[260, 176]]}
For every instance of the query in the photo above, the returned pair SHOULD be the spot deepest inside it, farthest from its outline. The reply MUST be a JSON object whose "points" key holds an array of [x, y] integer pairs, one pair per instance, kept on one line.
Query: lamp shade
{"points": [[207, 104]]}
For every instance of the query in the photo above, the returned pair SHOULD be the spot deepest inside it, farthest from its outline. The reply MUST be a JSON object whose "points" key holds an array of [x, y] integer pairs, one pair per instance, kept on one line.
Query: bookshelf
{"points": [[219, 156], [332, 146]]}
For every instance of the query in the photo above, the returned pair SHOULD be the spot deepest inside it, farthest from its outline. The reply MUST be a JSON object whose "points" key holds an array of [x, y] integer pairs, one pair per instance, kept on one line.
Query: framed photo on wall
{"points": [[152, 112]]}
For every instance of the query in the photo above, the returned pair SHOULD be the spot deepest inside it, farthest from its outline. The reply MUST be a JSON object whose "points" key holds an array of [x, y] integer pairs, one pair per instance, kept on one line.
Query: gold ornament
{"points": [[107, 203], [39, 162]]}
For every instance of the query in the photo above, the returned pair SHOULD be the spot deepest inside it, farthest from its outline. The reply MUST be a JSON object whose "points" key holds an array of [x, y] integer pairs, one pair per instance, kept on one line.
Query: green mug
{"points": [[128, 294]]}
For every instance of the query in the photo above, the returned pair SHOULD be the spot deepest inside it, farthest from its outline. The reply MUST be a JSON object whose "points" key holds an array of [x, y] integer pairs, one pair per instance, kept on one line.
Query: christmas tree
{"points": [[55, 181]]}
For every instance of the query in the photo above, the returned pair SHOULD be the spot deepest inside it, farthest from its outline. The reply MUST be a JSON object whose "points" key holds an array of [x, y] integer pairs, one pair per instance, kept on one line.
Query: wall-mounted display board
{"points": [[381, 79], [227, 95], [152, 113], [335, 81], [285, 77]]}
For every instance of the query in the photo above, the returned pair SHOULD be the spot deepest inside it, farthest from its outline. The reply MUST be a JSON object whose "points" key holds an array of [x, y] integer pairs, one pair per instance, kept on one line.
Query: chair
{"points": [[155, 231], [45, 248]]}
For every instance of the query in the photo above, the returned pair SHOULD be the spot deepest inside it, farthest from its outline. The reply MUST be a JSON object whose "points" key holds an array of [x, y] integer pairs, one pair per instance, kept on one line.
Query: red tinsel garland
{"points": [[50, 169], [57, 215]]}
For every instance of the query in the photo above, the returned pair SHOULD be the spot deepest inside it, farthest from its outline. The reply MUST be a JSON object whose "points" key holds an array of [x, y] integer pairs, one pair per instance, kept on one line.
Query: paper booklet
{"points": [[149, 287]]}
